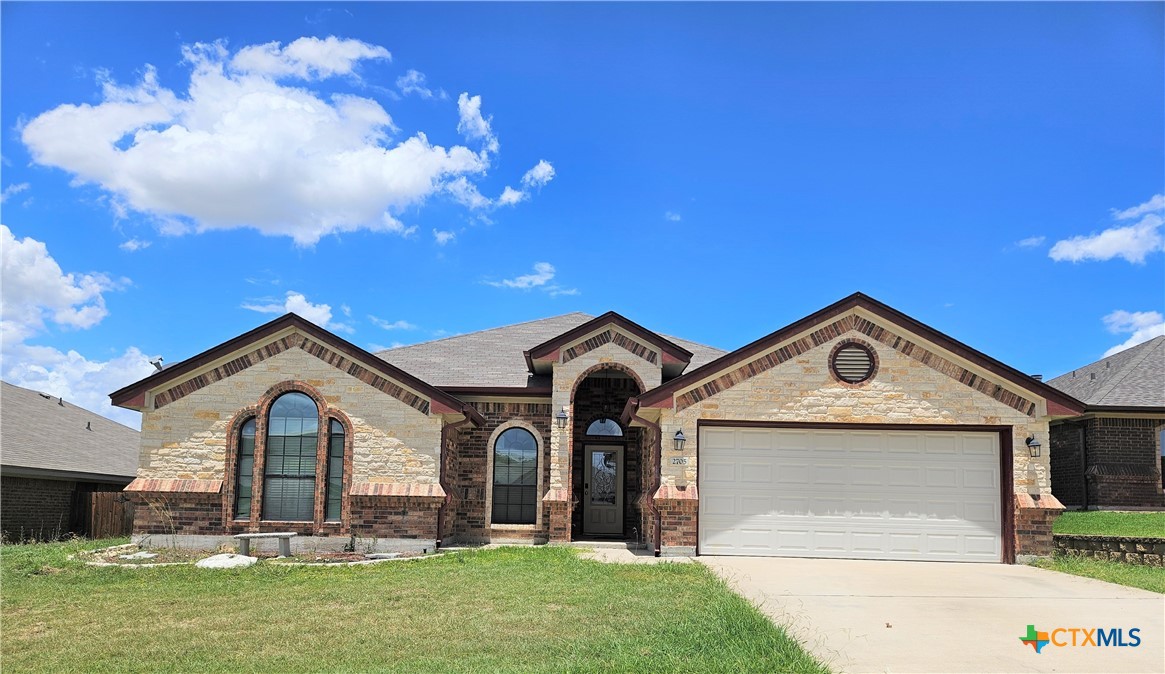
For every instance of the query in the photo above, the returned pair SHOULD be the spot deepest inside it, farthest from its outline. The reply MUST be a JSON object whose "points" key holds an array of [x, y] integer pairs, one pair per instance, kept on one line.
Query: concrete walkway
{"points": [[865, 616]]}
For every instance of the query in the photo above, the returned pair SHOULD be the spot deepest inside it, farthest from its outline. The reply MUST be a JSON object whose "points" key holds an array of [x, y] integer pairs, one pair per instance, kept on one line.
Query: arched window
{"points": [[289, 474], [605, 427], [515, 487], [245, 472], [335, 471]]}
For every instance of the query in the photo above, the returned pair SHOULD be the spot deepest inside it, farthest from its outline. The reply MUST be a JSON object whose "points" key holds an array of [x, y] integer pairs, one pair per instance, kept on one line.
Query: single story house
{"points": [[1114, 455], [53, 456], [854, 432]]}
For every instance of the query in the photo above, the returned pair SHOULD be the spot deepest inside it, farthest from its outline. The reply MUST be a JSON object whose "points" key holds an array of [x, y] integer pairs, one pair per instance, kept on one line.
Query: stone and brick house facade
{"points": [[854, 432], [1112, 455]]}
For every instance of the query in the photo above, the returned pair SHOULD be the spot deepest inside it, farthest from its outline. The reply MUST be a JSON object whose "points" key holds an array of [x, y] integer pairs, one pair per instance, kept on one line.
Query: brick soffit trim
{"points": [[277, 346], [610, 336], [837, 328]]}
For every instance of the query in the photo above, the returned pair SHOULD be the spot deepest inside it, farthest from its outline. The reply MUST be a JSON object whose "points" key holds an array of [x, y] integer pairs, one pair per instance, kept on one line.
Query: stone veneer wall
{"points": [[472, 468], [903, 390], [392, 442], [1128, 549], [567, 376]]}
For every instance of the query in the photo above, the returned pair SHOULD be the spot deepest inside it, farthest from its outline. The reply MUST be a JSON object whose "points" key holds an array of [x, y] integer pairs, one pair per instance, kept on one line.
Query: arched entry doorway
{"points": [[606, 459]]}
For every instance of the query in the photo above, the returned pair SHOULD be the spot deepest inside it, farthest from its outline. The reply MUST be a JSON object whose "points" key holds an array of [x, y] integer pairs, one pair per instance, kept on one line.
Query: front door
{"points": [[603, 491]]}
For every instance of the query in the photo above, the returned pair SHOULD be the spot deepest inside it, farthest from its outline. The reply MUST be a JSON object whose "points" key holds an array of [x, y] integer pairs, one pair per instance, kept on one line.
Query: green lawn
{"points": [[1150, 578], [1108, 523], [503, 610]]}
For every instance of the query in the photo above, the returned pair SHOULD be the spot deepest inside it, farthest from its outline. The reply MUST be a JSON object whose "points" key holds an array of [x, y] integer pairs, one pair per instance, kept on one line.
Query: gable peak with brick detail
{"points": [[613, 328], [864, 317], [289, 331]]}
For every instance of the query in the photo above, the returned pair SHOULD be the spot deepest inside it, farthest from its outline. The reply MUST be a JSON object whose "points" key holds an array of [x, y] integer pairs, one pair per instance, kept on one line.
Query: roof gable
{"points": [[288, 331], [877, 321], [1134, 377], [621, 331]]}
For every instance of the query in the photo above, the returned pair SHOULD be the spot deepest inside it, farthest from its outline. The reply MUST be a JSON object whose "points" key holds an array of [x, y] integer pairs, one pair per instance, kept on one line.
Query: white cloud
{"points": [[1141, 326], [241, 148], [466, 194], [413, 82], [346, 310], [538, 176], [1133, 242], [374, 347], [308, 58], [1031, 241], [442, 237], [133, 245], [535, 178], [38, 293], [511, 196], [472, 124], [12, 190], [543, 273], [391, 325], [297, 303], [672, 216], [1155, 204]]}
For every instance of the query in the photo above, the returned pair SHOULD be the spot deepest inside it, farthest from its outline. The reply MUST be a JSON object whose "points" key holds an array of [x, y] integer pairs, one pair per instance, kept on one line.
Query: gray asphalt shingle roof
{"points": [[495, 357], [1134, 377], [44, 434]]}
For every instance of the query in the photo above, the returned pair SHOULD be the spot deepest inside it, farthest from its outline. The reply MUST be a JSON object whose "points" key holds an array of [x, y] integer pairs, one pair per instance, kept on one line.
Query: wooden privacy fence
{"points": [[103, 514]]}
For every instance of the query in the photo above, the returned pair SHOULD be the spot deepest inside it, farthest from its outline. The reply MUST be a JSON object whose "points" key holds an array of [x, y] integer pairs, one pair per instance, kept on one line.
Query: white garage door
{"points": [[850, 494]]}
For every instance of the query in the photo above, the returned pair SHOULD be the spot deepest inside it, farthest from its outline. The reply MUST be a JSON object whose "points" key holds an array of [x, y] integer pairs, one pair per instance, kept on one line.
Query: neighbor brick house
{"points": [[53, 455], [854, 432], [1112, 456]]}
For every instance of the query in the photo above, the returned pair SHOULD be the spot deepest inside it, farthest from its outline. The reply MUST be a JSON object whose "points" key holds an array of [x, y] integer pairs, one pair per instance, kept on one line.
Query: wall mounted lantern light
{"points": [[679, 441], [1033, 446], [561, 418]]}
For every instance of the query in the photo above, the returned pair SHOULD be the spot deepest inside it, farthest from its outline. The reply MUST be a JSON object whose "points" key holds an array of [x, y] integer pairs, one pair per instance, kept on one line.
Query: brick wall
{"points": [[1123, 462], [395, 516], [184, 514], [1033, 524], [32, 509], [1066, 445], [471, 468], [678, 521]]}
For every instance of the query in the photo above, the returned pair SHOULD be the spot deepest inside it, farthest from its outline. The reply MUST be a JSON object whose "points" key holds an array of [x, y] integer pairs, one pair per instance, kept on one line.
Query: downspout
{"points": [[632, 411], [446, 431]]}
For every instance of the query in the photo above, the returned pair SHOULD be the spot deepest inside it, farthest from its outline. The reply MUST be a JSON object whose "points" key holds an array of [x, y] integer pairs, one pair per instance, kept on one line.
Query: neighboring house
{"points": [[53, 454], [854, 432], [1113, 456]]}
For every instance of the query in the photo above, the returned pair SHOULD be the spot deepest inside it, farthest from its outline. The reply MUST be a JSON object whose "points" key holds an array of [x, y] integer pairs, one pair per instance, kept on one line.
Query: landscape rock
{"points": [[226, 561], [139, 555]]}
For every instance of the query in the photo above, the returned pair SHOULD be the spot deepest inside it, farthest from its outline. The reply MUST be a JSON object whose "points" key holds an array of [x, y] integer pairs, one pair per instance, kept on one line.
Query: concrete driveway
{"points": [[864, 616]]}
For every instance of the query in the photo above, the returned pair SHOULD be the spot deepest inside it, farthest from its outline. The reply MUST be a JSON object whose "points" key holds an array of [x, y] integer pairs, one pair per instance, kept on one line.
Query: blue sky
{"points": [[177, 174]]}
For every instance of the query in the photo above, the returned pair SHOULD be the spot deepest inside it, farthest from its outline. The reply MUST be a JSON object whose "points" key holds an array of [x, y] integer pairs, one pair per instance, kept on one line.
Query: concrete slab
{"points": [[875, 616]]}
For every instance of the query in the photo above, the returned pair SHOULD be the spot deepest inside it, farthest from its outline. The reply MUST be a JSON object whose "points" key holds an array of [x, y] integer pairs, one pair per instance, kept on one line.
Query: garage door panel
{"points": [[865, 494]]}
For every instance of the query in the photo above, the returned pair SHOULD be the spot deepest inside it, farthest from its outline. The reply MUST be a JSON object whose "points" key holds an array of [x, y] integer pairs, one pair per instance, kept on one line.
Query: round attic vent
{"points": [[853, 363]]}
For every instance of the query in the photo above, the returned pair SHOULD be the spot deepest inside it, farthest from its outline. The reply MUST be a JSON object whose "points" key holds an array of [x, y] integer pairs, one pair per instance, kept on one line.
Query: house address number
{"points": [[679, 461]]}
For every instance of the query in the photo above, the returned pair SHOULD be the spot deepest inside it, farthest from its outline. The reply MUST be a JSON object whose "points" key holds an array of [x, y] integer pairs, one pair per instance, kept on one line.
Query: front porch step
{"points": [[606, 544]]}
